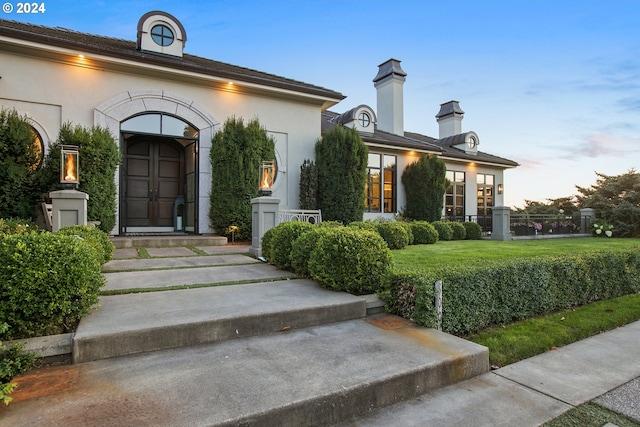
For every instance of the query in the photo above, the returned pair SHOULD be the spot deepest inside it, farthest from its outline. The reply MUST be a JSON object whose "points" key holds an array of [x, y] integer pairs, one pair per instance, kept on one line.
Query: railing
{"points": [[535, 225], [310, 216]]}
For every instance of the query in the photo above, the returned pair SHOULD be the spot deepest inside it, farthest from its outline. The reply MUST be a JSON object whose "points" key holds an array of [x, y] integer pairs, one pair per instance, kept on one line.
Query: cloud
{"points": [[600, 145]]}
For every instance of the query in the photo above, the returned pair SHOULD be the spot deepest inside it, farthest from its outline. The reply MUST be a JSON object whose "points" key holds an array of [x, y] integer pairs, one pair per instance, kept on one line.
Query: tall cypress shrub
{"points": [[236, 153], [18, 157], [341, 158], [425, 183], [308, 197], [99, 158]]}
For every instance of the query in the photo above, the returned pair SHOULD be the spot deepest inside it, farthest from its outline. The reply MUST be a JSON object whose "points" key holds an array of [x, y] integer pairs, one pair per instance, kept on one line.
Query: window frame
{"points": [[381, 186]]}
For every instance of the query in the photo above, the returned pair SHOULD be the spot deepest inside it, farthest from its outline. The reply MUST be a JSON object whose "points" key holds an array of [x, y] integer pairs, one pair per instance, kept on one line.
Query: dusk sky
{"points": [[551, 84]]}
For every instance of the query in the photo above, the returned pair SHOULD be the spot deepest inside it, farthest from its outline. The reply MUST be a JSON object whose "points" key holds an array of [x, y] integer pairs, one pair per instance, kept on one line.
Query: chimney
{"points": [[388, 84], [450, 119]]}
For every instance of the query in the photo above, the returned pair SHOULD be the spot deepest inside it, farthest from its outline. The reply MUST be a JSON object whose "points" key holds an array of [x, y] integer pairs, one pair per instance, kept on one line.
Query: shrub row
{"points": [[50, 280], [475, 297], [350, 259]]}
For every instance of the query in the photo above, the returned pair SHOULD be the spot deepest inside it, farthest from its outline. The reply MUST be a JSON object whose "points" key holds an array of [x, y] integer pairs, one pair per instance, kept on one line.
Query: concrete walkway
{"points": [[314, 365]]}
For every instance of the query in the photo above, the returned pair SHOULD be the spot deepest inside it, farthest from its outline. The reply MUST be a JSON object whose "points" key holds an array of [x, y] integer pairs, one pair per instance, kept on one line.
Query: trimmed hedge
{"points": [[445, 232], [394, 234], [11, 226], [304, 245], [351, 260], [459, 232], [284, 236], [423, 233], [474, 232], [49, 281], [475, 297], [96, 238]]}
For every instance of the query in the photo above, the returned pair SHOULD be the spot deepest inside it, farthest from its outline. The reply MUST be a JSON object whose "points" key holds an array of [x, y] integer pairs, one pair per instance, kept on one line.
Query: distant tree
{"points": [[18, 160], [551, 207], [615, 198], [308, 197], [425, 183], [236, 153], [341, 159]]}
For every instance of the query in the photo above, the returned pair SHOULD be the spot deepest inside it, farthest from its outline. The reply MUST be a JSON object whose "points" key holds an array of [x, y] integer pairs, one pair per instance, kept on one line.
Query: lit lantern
{"points": [[267, 176], [69, 166]]}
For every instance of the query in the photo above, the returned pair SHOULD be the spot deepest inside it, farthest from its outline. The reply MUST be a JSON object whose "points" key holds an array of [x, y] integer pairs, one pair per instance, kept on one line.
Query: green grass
{"points": [[591, 415], [478, 251], [520, 340]]}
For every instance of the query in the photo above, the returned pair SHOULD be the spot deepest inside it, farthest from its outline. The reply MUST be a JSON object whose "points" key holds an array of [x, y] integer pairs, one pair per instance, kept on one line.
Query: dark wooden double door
{"points": [[154, 178]]}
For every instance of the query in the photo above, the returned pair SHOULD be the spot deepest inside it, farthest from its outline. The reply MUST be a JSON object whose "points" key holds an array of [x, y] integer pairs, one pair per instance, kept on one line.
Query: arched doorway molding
{"points": [[112, 112]]}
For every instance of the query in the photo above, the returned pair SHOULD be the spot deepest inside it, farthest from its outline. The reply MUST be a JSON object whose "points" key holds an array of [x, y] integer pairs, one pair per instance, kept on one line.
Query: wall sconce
{"points": [[267, 176], [500, 188], [69, 155]]}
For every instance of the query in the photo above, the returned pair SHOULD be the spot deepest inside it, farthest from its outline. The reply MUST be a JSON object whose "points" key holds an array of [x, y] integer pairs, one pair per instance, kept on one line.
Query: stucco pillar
{"points": [[69, 207], [264, 215], [587, 218], [501, 223]]}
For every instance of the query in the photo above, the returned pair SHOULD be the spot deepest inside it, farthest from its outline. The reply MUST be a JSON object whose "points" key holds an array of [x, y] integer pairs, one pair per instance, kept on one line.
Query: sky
{"points": [[551, 84]]}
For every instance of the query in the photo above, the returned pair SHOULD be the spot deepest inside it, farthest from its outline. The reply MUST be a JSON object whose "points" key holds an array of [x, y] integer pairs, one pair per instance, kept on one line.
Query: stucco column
{"points": [[264, 215], [587, 218], [501, 223], [69, 208]]}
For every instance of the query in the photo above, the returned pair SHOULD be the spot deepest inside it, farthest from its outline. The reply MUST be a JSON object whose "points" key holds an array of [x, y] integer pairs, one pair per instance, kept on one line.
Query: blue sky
{"points": [[553, 85]]}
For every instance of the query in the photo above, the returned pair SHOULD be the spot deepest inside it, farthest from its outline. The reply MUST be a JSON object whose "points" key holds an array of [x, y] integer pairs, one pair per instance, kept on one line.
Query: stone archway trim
{"points": [[112, 112]]}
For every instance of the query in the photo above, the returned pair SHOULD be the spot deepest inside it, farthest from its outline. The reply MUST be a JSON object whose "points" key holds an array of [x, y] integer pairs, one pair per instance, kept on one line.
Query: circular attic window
{"points": [[162, 35]]}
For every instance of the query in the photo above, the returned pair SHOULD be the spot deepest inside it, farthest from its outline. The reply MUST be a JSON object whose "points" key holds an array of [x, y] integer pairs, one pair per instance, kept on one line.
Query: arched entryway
{"points": [[158, 184]]}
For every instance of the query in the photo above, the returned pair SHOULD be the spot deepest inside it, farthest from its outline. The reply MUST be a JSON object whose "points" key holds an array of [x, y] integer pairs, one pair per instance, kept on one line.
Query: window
{"points": [[162, 35], [485, 199], [38, 147], [454, 197], [380, 190], [162, 124], [364, 120]]}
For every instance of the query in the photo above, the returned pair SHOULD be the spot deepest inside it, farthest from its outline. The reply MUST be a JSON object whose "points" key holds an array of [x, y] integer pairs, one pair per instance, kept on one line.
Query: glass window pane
{"points": [[459, 176], [390, 162], [176, 127], [489, 179], [450, 175], [146, 123], [374, 160], [480, 178]]}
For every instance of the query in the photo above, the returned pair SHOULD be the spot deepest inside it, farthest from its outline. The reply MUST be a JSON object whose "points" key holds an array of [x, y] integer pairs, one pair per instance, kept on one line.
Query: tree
{"points": [[616, 199], [18, 161], [236, 153], [425, 183], [341, 159], [308, 197], [99, 158], [551, 207]]}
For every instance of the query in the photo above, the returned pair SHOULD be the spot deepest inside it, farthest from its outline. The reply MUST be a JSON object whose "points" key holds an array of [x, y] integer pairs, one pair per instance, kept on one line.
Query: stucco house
{"points": [[163, 106]]}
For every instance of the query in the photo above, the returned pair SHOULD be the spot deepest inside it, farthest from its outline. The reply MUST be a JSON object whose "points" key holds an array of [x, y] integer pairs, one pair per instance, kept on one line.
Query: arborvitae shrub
{"points": [[423, 233], [474, 232], [444, 230], [459, 232], [394, 234], [308, 198], [352, 260], [425, 183]]}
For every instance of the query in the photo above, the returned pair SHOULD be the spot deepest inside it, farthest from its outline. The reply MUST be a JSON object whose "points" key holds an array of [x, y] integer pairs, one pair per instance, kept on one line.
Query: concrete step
{"points": [[142, 322], [316, 376], [151, 241]]}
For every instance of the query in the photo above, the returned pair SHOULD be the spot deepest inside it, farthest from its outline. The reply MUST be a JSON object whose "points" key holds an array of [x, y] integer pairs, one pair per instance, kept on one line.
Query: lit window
{"points": [[454, 197], [380, 190], [162, 35]]}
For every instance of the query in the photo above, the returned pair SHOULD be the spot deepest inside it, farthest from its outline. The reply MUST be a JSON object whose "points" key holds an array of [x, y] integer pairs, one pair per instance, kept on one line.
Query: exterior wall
{"points": [[52, 93]]}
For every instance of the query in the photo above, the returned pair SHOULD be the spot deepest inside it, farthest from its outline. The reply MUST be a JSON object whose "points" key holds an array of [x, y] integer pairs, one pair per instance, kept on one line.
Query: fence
{"points": [[310, 216]]}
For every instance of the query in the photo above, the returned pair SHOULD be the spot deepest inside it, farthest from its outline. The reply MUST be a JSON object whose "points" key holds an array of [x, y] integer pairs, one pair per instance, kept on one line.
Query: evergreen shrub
{"points": [[474, 232], [49, 281], [285, 235], [96, 238], [11, 226], [425, 183], [407, 227], [445, 232], [308, 197], [459, 232], [304, 245], [352, 260], [394, 234], [13, 361], [423, 233], [266, 244], [477, 296]]}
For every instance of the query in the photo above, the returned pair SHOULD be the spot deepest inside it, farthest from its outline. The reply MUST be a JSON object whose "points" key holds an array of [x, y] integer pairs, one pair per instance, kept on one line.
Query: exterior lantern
{"points": [[69, 166], [267, 176]]}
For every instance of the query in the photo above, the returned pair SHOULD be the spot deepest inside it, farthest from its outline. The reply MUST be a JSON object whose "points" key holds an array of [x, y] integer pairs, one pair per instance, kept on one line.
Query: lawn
{"points": [[477, 251]]}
